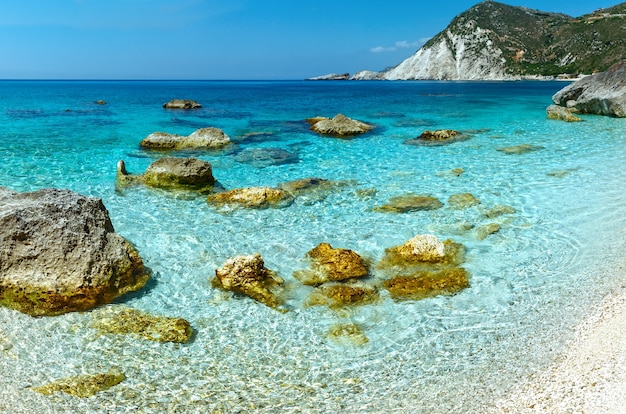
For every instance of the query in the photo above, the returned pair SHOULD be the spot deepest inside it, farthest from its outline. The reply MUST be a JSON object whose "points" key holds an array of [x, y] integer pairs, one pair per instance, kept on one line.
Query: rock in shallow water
{"points": [[410, 202], [59, 253], [203, 138], [251, 197], [339, 126], [330, 264], [83, 385]]}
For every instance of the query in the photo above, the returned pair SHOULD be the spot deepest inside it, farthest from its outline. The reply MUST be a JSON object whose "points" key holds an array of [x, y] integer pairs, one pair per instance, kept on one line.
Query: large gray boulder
{"points": [[59, 253], [603, 93]]}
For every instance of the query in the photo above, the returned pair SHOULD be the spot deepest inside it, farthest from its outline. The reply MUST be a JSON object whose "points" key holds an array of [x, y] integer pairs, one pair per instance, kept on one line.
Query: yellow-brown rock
{"points": [[330, 264], [423, 249], [83, 385], [428, 284], [252, 197], [347, 334], [343, 294], [127, 321], [248, 275], [462, 201], [339, 126], [410, 202]]}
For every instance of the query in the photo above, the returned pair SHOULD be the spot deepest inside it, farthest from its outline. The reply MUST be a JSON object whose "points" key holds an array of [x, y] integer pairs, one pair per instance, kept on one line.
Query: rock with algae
{"points": [[338, 295], [172, 173], [499, 210], [251, 197], [83, 385], [425, 284], [482, 232], [331, 264], [128, 321], [423, 249], [520, 149], [462, 201], [437, 137], [248, 275], [410, 202]]}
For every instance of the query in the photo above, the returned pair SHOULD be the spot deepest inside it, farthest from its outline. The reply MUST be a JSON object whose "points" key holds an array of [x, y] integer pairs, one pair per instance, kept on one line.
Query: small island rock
{"points": [[203, 138], [339, 126], [561, 113], [437, 137], [182, 104], [60, 253]]}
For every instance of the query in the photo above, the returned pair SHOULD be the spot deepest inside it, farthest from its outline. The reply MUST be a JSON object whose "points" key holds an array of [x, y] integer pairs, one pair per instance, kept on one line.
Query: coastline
{"points": [[589, 375]]}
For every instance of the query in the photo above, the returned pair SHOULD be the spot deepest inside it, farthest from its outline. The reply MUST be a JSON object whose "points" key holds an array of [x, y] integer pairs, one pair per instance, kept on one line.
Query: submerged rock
{"points": [[520, 149], [339, 126], [410, 202], [203, 138], [172, 173], [426, 284], [265, 157], [59, 253], [462, 201], [338, 295], [602, 94], [248, 275], [330, 264], [252, 197], [182, 104], [499, 210], [437, 137], [125, 321], [347, 334], [483, 232], [561, 113], [312, 190], [83, 385]]}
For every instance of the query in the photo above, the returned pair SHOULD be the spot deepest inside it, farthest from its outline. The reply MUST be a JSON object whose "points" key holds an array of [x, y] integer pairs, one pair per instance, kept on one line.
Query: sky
{"points": [[224, 39]]}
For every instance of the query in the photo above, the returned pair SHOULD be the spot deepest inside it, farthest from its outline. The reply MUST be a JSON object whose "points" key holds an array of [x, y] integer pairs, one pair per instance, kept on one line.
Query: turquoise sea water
{"points": [[530, 283]]}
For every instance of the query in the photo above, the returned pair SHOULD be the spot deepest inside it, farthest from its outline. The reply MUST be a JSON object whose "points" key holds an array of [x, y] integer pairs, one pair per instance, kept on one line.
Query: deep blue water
{"points": [[530, 282]]}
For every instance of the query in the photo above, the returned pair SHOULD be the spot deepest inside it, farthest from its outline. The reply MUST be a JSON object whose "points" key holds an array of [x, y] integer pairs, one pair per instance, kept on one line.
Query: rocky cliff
{"points": [[493, 41]]}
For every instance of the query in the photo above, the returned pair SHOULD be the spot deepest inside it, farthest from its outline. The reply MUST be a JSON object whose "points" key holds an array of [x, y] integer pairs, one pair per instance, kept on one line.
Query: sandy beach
{"points": [[590, 375]]}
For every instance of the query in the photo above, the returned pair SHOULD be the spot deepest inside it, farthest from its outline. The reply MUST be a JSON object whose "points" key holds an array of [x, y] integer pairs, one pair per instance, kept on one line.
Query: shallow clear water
{"points": [[530, 282]]}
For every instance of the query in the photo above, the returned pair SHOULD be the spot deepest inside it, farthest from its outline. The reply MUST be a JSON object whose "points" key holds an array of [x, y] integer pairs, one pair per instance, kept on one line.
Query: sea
{"points": [[559, 249]]}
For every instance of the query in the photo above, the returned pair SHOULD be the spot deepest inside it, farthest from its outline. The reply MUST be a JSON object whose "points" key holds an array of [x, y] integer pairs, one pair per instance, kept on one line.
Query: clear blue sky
{"points": [[223, 39]]}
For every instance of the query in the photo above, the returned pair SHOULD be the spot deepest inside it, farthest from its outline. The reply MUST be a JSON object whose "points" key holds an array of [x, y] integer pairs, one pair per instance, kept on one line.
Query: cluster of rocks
{"points": [[422, 267]]}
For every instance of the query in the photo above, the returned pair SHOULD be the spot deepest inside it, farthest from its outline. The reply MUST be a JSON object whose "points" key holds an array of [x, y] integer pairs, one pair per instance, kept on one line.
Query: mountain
{"points": [[493, 41]]}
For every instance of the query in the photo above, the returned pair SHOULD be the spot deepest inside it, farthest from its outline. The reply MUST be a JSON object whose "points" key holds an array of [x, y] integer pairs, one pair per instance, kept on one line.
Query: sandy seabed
{"points": [[589, 376]]}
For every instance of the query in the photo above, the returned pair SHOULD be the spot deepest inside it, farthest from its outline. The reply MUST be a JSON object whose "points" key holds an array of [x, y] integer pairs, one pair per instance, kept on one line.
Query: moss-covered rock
{"points": [[423, 249], [83, 385], [410, 202], [248, 275], [127, 321], [337, 295], [330, 264], [251, 197], [427, 284]]}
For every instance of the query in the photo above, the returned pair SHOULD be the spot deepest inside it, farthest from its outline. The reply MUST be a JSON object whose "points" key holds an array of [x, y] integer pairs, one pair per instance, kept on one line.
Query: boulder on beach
{"points": [[248, 275], [182, 104], [437, 137], [172, 173], [602, 94], [59, 253], [410, 202], [561, 113], [122, 320], [252, 197], [203, 138], [331, 264], [339, 126]]}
